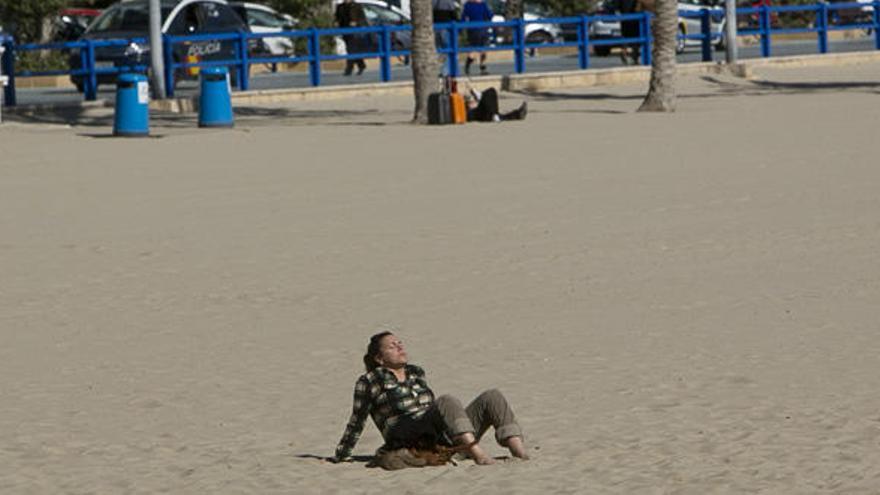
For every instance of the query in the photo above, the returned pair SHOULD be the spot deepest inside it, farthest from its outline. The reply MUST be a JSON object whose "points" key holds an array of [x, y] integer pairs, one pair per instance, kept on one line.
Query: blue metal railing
{"points": [[384, 48]]}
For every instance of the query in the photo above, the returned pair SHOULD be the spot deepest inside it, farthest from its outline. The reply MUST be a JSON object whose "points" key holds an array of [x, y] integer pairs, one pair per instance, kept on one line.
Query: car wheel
{"points": [[679, 41], [539, 37], [602, 51]]}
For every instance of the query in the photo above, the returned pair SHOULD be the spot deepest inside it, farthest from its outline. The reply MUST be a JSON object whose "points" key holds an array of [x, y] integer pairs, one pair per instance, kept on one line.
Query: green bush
{"points": [[41, 60]]}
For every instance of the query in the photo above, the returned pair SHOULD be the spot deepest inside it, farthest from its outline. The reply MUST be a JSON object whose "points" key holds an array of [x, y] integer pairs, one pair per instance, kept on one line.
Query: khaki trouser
{"points": [[448, 418]]}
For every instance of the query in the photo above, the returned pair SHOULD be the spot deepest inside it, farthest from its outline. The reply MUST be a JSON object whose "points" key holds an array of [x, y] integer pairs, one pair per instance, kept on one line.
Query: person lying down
{"points": [[483, 107]]}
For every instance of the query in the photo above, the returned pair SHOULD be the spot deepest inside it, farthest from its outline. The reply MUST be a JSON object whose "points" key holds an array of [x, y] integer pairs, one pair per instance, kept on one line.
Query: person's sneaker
{"points": [[523, 111]]}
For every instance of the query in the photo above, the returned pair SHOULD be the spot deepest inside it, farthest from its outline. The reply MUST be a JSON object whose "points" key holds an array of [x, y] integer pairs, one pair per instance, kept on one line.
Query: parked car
{"points": [[601, 29], [378, 13], [692, 25], [536, 32], [130, 19], [863, 14], [263, 19], [72, 23]]}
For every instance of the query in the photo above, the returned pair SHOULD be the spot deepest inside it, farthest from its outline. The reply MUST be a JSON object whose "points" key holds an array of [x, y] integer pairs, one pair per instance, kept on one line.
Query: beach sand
{"points": [[673, 304]]}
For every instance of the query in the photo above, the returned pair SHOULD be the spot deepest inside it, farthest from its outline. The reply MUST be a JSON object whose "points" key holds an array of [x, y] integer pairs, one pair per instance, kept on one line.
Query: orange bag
{"points": [[458, 108]]}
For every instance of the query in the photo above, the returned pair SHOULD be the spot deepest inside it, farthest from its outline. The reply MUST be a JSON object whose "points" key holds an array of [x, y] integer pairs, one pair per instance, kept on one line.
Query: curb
{"points": [[516, 82]]}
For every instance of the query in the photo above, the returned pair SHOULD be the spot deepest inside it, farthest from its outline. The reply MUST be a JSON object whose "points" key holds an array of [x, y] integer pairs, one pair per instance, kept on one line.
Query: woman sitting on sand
{"points": [[395, 394]]}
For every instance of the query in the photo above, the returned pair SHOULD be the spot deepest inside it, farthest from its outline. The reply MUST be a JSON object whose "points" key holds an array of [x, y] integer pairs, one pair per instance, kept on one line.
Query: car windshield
{"points": [[125, 17], [377, 15], [498, 7], [260, 18], [537, 9]]}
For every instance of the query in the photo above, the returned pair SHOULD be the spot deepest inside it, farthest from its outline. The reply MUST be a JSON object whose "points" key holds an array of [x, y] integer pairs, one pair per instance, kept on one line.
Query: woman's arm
{"points": [[359, 411]]}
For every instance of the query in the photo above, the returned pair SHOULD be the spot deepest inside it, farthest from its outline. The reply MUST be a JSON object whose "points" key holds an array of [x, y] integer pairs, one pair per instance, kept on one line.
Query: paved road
{"points": [[539, 63]]}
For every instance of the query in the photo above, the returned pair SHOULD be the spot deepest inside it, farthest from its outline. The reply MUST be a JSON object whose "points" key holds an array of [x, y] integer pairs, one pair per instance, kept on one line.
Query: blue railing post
{"points": [[385, 52], [706, 31], [584, 43], [452, 56], [765, 30], [314, 57], [822, 26], [8, 64], [168, 54], [519, 46], [877, 24], [90, 83], [244, 69], [645, 32]]}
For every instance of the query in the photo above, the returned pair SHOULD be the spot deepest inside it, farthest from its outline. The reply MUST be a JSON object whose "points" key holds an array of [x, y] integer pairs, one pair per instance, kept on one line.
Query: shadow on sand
{"points": [[95, 116]]}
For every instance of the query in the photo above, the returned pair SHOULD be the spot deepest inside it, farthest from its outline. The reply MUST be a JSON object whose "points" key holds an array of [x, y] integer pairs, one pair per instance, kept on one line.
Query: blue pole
{"points": [[385, 51], [877, 24], [84, 68], [765, 30], [91, 87], [519, 47], [648, 37], [706, 31], [584, 43], [452, 56], [169, 66], [314, 57], [9, 70], [90, 83], [822, 26], [244, 70]]}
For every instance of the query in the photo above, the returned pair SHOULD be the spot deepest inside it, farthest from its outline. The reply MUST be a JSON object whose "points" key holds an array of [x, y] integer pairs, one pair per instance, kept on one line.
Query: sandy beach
{"points": [[673, 304]]}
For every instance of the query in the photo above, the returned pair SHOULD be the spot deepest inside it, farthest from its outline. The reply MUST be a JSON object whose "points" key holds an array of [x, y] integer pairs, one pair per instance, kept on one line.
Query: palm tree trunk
{"points": [[661, 92], [424, 58]]}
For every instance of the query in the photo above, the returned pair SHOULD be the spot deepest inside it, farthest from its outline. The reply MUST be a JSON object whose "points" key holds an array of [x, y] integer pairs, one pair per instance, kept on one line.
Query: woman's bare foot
{"points": [[517, 448], [479, 456], [473, 449]]}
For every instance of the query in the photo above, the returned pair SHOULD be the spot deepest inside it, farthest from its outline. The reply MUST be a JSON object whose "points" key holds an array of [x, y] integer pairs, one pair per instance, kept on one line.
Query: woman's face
{"points": [[391, 352]]}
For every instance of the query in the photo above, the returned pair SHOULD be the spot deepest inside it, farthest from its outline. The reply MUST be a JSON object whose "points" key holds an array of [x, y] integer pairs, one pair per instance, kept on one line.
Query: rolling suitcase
{"points": [[439, 112]]}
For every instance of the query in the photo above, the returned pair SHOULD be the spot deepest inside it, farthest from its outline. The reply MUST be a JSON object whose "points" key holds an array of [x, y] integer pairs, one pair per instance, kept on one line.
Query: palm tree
{"points": [[661, 92], [424, 58]]}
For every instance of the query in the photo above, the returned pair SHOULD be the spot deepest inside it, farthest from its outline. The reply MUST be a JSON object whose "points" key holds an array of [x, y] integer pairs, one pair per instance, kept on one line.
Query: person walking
{"points": [[444, 11], [350, 14], [476, 11], [630, 29]]}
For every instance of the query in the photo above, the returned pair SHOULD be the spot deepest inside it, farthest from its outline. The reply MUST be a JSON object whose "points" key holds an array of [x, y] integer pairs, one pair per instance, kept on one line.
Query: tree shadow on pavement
{"points": [[812, 87], [256, 115], [101, 116], [720, 87]]}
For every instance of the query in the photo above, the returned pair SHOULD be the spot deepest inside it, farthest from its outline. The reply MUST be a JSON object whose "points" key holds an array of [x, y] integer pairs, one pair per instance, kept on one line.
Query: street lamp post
{"points": [[156, 61], [730, 31]]}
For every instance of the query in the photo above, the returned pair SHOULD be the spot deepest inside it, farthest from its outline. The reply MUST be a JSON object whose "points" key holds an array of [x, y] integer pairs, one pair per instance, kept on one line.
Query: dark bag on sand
{"points": [[412, 457], [439, 109]]}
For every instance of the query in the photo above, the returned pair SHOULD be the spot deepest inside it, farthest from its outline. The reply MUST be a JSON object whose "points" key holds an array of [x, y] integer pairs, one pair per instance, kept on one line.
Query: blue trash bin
{"points": [[215, 103], [132, 116]]}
